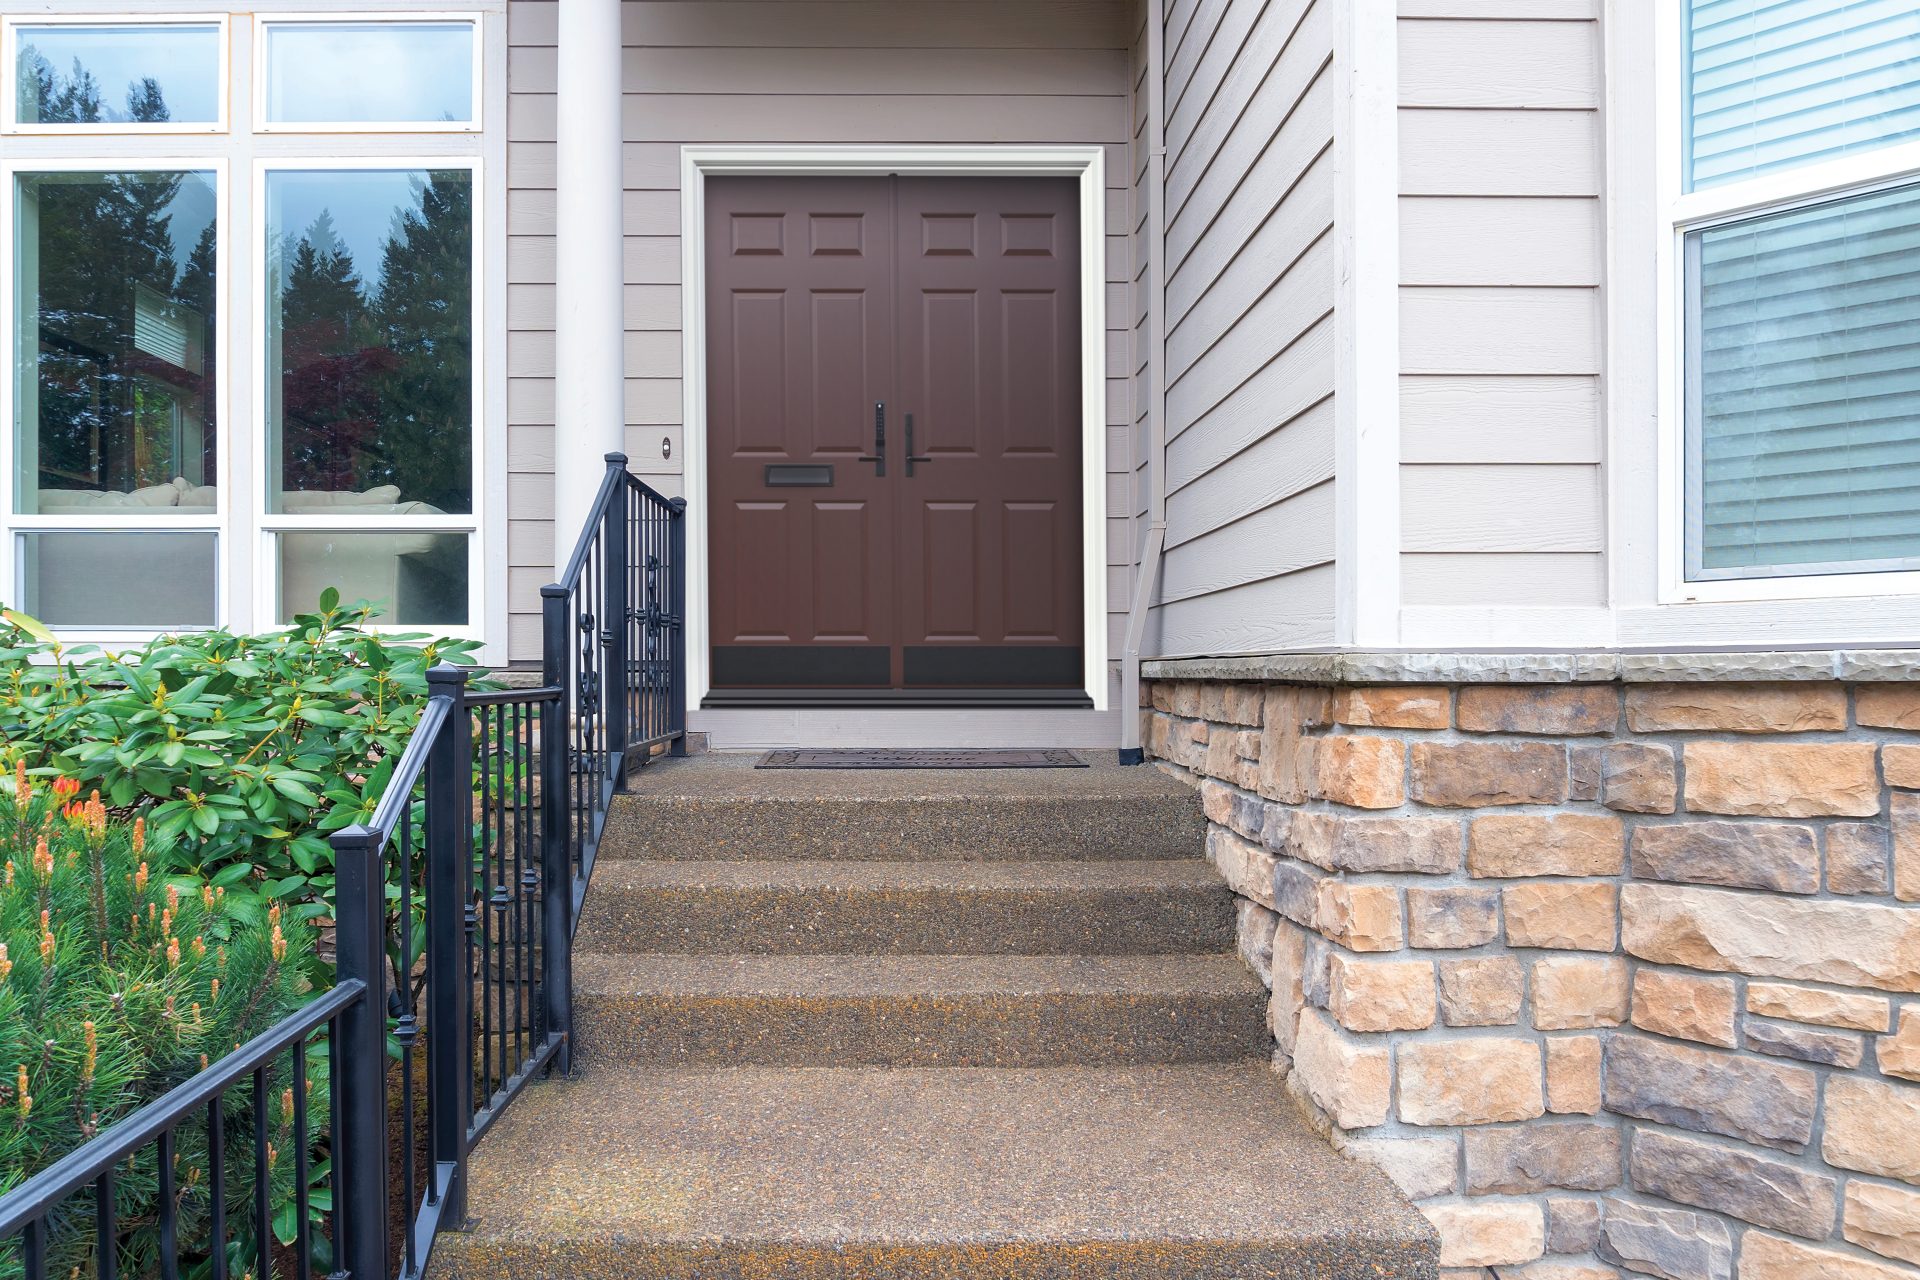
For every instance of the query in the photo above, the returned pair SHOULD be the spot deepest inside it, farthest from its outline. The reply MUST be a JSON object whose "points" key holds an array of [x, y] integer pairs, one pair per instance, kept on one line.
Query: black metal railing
{"points": [[455, 906]]}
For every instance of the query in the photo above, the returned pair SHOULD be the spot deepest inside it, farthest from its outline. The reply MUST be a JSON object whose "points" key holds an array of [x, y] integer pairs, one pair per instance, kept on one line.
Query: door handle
{"points": [[911, 456], [879, 455]]}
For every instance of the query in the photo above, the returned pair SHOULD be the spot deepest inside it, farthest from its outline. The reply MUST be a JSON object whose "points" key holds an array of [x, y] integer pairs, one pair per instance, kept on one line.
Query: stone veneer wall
{"points": [[1608, 977]]}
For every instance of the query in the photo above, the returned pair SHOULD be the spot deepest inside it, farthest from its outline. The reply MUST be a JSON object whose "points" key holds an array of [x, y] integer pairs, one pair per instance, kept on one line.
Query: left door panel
{"points": [[799, 356]]}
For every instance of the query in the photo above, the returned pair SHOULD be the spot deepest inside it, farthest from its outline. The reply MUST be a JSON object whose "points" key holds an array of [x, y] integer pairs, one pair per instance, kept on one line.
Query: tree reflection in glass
{"points": [[117, 301], [370, 340]]}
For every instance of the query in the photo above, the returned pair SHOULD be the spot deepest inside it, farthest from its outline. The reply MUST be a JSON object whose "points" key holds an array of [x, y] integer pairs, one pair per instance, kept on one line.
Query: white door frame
{"points": [[1086, 163]]}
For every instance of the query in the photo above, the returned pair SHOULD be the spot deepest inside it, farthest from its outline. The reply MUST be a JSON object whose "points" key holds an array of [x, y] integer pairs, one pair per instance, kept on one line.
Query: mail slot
{"points": [[793, 475]]}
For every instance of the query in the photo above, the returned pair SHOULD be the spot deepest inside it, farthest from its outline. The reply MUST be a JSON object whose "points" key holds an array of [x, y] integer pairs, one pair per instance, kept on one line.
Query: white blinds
{"points": [[1774, 83], [1806, 405]]}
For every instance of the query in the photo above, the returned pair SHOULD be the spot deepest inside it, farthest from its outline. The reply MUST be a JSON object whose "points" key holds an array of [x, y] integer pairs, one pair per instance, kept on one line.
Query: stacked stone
{"points": [[1609, 978]]}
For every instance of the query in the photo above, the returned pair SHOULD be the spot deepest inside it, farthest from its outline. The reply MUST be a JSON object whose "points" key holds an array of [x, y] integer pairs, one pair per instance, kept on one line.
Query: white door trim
{"points": [[1086, 163]]}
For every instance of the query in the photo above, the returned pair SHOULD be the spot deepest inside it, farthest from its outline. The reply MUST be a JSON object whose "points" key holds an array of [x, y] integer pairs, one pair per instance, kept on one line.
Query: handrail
{"points": [[512, 788]]}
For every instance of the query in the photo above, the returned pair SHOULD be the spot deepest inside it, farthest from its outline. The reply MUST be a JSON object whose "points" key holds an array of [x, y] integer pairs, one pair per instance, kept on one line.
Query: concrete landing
{"points": [[1116, 1173]]}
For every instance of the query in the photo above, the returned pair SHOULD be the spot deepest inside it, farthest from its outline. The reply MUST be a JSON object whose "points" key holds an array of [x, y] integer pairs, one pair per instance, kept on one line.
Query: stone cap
{"points": [[1571, 666]]}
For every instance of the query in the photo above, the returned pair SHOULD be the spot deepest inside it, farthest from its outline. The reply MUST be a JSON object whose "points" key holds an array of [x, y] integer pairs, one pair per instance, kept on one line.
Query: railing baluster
{"points": [[615, 601], [262, 1181], [302, 1200], [106, 1231], [677, 662], [217, 1184], [33, 1250], [169, 1209]]}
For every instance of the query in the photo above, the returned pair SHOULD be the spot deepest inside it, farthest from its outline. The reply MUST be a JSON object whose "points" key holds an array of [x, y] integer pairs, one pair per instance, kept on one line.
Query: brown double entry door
{"points": [[894, 438]]}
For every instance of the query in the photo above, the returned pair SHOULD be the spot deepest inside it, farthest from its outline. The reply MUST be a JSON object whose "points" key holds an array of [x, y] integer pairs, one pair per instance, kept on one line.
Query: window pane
{"points": [[1775, 83], [370, 341], [159, 74], [147, 581], [1807, 367], [370, 73], [415, 579], [114, 371]]}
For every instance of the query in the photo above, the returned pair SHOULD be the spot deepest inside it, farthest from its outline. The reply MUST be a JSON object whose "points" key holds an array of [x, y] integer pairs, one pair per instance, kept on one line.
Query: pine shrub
{"points": [[122, 975]]}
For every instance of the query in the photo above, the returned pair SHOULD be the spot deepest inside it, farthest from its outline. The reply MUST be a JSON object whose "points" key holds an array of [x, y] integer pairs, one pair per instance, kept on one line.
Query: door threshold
{"points": [[904, 699]]}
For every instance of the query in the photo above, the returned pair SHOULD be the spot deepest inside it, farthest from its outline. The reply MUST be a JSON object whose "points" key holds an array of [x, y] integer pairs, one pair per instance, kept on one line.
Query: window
{"points": [[92, 77], [347, 74], [115, 394], [1796, 221], [242, 369], [369, 386]]}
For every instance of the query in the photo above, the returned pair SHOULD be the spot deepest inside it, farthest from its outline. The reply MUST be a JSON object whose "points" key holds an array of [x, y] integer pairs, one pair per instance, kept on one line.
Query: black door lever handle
{"points": [[911, 456], [879, 455]]}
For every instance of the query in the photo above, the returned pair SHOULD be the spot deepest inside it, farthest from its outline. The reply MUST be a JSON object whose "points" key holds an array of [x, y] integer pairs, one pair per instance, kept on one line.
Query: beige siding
{"points": [[1252, 109], [838, 71], [1500, 324]]}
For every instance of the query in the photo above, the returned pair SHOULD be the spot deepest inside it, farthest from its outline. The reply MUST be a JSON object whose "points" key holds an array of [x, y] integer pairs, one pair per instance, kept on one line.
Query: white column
{"points": [[589, 338]]}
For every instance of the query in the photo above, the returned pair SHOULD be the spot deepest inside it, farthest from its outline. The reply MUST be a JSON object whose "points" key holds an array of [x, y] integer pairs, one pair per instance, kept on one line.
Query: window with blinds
{"points": [[1806, 349], [1802, 328], [1778, 83]]}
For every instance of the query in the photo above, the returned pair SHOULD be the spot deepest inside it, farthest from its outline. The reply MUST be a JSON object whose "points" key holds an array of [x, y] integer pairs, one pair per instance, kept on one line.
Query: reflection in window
{"points": [[159, 74], [141, 581], [370, 341], [370, 73], [114, 378]]}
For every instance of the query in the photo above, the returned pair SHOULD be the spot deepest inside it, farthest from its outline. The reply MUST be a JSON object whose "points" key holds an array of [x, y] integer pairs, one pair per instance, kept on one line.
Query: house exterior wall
{"points": [[1615, 966], [1253, 103], [1501, 226], [767, 71]]}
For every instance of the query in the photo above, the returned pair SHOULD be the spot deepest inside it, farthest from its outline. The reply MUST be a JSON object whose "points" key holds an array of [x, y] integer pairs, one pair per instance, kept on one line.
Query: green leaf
{"points": [[329, 599], [31, 625], [296, 791]]}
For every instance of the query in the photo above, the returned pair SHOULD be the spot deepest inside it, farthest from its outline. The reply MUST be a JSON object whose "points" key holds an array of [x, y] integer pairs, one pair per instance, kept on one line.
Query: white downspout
{"points": [[589, 385], [1144, 583]]}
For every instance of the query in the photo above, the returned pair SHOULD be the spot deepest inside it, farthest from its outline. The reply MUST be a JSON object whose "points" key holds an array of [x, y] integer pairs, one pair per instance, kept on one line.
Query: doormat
{"points": [[923, 758]]}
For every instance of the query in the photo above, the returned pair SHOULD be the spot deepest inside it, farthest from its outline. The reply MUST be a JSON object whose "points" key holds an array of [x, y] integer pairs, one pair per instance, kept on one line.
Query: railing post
{"points": [[617, 681], [556, 825], [360, 1166], [449, 812], [677, 620]]}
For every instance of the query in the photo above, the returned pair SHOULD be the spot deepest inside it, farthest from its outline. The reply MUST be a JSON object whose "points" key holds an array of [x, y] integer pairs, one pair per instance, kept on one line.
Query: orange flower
{"points": [[22, 788], [64, 787], [22, 1098], [93, 1051], [140, 879], [173, 953], [6, 965], [139, 836], [43, 859]]}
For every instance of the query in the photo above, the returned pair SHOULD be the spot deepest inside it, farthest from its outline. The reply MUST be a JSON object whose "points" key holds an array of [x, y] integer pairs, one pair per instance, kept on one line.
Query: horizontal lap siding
{"points": [[786, 71], [1500, 325], [1252, 104]]}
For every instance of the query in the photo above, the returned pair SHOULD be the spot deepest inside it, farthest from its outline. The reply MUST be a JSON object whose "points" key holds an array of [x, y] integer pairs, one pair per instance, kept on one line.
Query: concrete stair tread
{"points": [[1063, 1173], [881, 877], [852, 977], [719, 807]]}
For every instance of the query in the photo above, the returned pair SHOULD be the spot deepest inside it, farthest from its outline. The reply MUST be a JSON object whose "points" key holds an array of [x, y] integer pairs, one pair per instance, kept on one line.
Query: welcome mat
{"points": [[924, 758]]}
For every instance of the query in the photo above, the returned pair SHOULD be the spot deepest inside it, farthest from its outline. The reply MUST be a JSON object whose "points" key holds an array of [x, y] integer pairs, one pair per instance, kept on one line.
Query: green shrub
{"points": [[242, 751], [121, 975]]}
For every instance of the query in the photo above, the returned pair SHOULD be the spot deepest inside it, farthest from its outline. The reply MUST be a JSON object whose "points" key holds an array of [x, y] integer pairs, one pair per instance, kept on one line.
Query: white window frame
{"points": [[220, 523], [268, 526], [265, 23], [1681, 213], [9, 52]]}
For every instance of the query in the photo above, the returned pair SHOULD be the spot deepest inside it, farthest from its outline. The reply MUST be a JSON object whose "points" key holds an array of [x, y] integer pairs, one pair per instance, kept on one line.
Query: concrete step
{"points": [[917, 1011], [904, 908], [720, 808], [1154, 1173]]}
